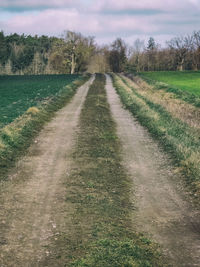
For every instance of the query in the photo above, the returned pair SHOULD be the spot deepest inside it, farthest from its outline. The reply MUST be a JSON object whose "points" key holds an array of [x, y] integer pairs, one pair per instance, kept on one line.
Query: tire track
{"points": [[32, 202], [161, 209]]}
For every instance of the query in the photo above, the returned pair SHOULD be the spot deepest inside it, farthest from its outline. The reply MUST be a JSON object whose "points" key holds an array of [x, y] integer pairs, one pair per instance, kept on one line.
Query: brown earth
{"points": [[162, 211], [32, 202]]}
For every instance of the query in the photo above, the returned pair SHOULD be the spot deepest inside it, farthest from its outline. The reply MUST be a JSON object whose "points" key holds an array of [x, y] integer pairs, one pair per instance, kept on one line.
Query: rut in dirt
{"points": [[162, 212], [32, 201]]}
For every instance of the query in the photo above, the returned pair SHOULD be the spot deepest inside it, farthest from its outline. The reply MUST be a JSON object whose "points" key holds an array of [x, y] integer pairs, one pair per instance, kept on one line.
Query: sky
{"points": [[104, 19]]}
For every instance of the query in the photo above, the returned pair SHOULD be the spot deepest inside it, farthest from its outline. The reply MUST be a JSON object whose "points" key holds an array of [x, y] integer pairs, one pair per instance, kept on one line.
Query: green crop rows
{"points": [[18, 93]]}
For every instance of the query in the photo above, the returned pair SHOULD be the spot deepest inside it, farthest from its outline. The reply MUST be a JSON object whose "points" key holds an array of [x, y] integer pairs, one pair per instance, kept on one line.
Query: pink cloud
{"points": [[169, 5], [55, 21], [89, 18], [52, 22]]}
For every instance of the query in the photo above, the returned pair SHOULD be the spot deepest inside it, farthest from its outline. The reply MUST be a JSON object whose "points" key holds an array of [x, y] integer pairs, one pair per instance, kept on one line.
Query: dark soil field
{"points": [[18, 93]]}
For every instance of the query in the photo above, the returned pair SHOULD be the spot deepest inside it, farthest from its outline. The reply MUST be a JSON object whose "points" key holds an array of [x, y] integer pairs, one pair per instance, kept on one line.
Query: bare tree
{"points": [[180, 47], [137, 53], [151, 54], [73, 52], [118, 57], [73, 40], [196, 50]]}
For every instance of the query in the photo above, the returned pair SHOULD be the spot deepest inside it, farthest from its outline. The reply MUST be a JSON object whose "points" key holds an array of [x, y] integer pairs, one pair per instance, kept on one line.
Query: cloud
{"points": [[103, 5], [106, 19], [51, 22], [31, 3], [24, 5], [169, 5], [55, 21]]}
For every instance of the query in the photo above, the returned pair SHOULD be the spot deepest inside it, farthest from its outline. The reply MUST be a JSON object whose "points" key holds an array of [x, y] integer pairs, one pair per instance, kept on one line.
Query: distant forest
{"points": [[21, 54], [75, 53]]}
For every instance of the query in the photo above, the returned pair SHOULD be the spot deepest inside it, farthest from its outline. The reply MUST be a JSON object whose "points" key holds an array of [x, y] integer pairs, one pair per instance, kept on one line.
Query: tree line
{"points": [[75, 53], [68, 54], [179, 54], [20, 49]]}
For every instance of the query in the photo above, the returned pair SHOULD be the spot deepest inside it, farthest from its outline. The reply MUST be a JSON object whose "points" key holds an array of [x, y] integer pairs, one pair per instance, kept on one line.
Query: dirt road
{"points": [[31, 202], [161, 209]]}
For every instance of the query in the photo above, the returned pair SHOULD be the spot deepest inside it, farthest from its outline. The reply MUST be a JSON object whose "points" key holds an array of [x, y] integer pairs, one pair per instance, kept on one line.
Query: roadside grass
{"points": [[98, 190], [176, 137], [178, 108], [17, 136], [184, 85]]}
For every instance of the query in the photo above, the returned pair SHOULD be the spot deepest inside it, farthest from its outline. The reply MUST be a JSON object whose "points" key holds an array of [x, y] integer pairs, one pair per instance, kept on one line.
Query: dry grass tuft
{"points": [[2, 145], [32, 111]]}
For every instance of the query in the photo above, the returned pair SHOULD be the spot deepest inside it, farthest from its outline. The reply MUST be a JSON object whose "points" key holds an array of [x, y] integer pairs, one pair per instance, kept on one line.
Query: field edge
{"points": [[16, 137]]}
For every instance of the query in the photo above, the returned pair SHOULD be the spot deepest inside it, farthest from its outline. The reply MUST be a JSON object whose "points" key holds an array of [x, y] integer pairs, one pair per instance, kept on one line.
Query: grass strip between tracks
{"points": [[99, 192], [176, 136], [17, 136]]}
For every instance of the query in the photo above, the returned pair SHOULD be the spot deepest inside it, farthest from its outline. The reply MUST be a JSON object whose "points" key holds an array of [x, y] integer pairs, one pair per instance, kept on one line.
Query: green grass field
{"points": [[188, 80], [18, 93]]}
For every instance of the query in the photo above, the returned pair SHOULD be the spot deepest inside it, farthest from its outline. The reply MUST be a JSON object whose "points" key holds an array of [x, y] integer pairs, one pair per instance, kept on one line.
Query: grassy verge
{"points": [[98, 190], [178, 108], [16, 137], [188, 97], [176, 137]]}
